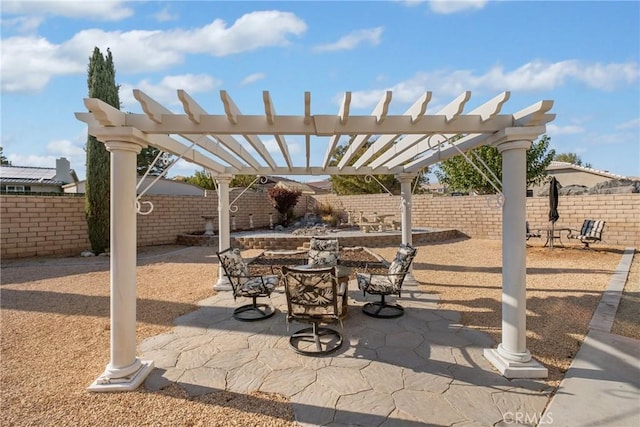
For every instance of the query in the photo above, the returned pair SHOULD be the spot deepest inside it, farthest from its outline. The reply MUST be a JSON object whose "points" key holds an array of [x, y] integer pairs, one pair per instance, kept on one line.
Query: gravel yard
{"points": [[55, 326]]}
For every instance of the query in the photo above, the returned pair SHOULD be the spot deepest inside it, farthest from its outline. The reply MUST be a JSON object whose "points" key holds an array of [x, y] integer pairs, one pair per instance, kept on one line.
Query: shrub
{"points": [[323, 209], [284, 200]]}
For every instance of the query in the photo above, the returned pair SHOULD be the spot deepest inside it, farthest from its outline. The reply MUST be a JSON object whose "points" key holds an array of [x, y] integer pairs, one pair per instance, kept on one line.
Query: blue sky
{"points": [[582, 55]]}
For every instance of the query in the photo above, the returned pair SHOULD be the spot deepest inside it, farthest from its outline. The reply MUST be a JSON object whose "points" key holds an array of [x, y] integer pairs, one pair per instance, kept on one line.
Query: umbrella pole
{"points": [[551, 235]]}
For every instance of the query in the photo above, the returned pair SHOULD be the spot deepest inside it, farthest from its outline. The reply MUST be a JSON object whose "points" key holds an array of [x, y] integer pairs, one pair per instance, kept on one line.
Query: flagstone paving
{"points": [[421, 368]]}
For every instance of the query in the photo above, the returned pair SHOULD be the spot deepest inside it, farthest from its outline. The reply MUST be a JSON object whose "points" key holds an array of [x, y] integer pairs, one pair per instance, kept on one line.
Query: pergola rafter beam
{"points": [[486, 111], [170, 145], [380, 113], [416, 111], [218, 151], [233, 118], [191, 107], [472, 141], [343, 116], [270, 112], [105, 114], [318, 170], [448, 113], [232, 144], [534, 115], [153, 109], [157, 113]]}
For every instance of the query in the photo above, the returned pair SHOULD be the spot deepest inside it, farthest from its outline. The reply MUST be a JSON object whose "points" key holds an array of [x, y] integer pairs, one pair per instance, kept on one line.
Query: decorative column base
{"points": [[223, 284], [111, 380], [514, 369], [409, 280]]}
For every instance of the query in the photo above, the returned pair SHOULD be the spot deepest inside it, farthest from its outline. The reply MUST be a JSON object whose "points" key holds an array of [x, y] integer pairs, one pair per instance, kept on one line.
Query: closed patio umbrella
{"points": [[553, 206]]}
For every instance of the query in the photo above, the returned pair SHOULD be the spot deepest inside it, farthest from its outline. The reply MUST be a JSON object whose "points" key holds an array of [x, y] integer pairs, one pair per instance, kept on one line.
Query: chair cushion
{"points": [[310, 295], [377, 283], [255, 286], [323, 257], [324, 244], [234, 263], [400, 263]]}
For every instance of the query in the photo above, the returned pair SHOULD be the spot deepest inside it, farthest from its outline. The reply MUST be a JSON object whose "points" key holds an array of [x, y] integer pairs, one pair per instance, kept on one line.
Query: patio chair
{"points": [[248, 286], [323, 251], [591, 232], [387, 284], [313, 296], [531, 233]]}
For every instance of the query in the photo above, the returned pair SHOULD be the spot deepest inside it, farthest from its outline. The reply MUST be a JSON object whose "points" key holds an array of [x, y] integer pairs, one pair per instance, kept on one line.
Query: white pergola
{"points": [[230, 144]]}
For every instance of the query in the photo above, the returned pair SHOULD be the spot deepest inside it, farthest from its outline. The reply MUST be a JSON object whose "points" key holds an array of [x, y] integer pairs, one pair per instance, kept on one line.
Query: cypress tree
{"points": [[102, 85]]}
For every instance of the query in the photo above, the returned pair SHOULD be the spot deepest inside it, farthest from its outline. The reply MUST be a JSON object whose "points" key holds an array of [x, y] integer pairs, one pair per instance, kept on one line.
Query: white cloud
{"points": [[532, 76], [165, 91], [73, 151], [412, 3], [164, 15], [454, 6], [28, 63], [252, 78], [631, 124], [23, 24], [100, 10], [65, 148], [354, 39], [556, 130], [32, 160]]}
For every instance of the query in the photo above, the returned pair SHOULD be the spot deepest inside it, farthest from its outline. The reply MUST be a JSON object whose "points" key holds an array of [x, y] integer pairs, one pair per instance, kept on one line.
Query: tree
{"points": [[3, 159], [284, 200], [102, 85], [202, 179], [145, 159], [459, 175], [358, 184], [572, 158], [244, 181]]}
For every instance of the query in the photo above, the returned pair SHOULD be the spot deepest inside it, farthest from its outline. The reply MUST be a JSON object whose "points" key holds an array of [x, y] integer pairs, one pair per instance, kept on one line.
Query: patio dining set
{"points": [[316, 292]]}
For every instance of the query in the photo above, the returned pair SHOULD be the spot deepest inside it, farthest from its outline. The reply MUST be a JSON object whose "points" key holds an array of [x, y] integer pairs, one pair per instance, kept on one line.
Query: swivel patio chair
{"points": [[591, 232], [313, 296], [323, 251], [246, 285], [387, 284]]}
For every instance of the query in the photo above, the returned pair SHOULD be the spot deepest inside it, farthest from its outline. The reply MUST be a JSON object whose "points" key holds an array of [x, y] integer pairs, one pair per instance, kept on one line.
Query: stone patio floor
{"points": [[421, 368]]}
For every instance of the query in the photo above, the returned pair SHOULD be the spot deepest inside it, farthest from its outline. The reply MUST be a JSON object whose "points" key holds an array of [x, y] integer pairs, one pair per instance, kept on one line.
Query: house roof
{"points": [[555, 166], [28, 175]]}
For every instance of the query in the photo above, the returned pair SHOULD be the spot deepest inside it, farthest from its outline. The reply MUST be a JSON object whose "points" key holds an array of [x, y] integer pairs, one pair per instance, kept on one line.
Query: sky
{"points": [[581, 55]]}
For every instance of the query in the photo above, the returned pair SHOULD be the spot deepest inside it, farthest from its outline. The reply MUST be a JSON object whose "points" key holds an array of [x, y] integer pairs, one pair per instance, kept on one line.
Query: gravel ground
{"points": [[55, 326]]}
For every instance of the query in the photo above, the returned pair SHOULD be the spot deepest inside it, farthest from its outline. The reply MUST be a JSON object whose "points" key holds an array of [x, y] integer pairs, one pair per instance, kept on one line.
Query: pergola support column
{"points": [[125, 371], [512, 358], [224, 239], [407, 226]]}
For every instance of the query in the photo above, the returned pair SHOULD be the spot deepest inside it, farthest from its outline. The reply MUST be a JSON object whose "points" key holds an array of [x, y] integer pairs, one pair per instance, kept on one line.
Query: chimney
{"points": [[63, 170]]}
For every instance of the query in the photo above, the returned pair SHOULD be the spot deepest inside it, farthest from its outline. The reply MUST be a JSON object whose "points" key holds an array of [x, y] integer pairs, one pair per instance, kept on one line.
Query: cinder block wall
{"points": [[481, 217], [55, 225], [42, 225]]}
